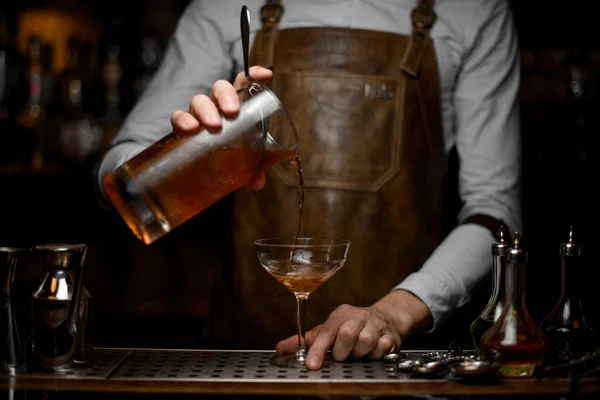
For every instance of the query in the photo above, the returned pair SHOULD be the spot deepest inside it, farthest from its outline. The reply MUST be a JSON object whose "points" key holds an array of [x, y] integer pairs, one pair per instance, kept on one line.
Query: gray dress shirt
{"points": [[477, 53]]}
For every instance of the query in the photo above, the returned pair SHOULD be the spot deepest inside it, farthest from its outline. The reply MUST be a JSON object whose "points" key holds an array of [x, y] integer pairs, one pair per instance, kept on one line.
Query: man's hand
{"points": [[364, 332], [204, 111]]}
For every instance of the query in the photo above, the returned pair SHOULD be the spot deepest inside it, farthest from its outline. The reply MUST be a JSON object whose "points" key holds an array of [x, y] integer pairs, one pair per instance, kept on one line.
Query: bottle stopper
{"points": [[516, 253], [499, 248], [570, 249]]}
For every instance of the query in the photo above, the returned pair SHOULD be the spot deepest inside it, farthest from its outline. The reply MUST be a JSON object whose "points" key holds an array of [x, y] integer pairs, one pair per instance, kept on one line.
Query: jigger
{"points": [[60, 306]]}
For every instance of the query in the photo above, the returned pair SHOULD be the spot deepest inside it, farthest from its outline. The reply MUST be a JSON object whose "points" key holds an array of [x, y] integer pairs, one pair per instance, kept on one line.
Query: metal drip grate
{"points": [[241, 366], [250, 372], [102, 364]]}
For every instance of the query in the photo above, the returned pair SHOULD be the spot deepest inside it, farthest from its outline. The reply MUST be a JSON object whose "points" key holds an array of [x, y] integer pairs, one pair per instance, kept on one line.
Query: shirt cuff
{"points": [[453, 271], [431, 292]]}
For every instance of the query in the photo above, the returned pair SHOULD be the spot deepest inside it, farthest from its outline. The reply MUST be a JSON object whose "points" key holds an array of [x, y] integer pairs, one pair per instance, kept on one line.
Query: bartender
{"points": [[381, 92]]}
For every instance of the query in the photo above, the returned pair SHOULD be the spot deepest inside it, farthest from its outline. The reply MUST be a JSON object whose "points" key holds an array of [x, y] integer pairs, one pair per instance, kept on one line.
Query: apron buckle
{"points": [[423, 18], [271, 13]]}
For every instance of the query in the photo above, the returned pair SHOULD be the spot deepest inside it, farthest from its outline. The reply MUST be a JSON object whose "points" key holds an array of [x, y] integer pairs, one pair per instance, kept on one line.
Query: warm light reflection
{"points": [[55, 26]]}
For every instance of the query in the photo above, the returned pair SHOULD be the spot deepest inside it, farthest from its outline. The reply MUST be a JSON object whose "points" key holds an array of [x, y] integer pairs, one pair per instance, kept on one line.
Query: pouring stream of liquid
{"points": [[295, 161]]}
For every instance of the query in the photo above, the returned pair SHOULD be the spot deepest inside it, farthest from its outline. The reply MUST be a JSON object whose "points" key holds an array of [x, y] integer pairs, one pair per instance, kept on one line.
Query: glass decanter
{"points": [[569, 335], [514, 340], [493, 309]]}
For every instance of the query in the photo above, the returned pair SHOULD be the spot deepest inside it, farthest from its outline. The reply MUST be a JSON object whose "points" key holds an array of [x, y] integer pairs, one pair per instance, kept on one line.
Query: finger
{"points": [[290, 345], [367, 340], [205, 111], [224, 95], [184, 122], [257, 73], [346, 338], [312, 334], [322, 342], [258, 182], [384, 346]]}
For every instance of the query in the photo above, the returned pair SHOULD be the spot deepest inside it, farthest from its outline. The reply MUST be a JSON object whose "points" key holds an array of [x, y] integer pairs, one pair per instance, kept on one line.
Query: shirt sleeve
{"points": [[488, 143], [197, 56]]}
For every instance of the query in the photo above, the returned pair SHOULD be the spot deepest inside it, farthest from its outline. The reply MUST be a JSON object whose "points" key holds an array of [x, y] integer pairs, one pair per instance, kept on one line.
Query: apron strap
{"points": [[423, 18], [270, 15]]}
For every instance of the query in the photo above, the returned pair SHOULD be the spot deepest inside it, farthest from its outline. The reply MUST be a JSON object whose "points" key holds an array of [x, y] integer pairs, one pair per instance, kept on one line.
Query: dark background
{"points": [[140, 290]]}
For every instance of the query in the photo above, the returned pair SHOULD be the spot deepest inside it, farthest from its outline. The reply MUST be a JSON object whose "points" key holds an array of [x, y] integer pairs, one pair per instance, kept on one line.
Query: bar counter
{"points": [[249, 372]]}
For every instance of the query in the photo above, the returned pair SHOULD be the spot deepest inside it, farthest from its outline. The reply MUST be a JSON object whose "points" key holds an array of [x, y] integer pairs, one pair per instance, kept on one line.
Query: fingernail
{"points": [[214, 118], [187, 122], [313, 361], [230, 105]]}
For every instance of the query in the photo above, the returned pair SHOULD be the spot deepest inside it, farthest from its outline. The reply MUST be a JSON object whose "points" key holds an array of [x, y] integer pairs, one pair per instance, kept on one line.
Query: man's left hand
{"points": [[363, 332]]}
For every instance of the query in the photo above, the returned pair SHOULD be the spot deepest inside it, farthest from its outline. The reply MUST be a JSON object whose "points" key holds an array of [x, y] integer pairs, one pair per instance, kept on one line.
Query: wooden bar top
{"points": [[249, 372]]}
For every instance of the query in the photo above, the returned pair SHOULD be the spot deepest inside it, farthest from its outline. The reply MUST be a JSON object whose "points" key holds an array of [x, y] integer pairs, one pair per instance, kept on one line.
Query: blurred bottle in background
{"points": [[77, 137], [150, 56], [111, 79], [30, 121], [68, 77], [12, 89]]}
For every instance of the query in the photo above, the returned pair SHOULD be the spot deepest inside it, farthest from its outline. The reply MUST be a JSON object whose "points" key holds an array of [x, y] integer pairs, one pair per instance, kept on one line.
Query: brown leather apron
{"points": [[366, 106]]}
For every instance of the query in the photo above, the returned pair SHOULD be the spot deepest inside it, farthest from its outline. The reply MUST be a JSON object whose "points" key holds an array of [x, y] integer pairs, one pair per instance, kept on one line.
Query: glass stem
{"points": [[301, 319]]}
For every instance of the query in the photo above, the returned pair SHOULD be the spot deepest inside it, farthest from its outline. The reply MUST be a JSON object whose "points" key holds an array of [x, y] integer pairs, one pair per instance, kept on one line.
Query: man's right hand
{"points": [[204, 111]]}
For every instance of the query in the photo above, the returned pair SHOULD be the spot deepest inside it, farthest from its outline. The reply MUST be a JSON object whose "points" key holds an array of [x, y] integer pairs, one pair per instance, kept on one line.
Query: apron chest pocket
{"points": [[349, 128]]}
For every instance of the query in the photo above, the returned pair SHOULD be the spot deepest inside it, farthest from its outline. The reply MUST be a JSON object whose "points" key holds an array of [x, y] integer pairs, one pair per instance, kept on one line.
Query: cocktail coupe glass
{"points": [[301, 265]]}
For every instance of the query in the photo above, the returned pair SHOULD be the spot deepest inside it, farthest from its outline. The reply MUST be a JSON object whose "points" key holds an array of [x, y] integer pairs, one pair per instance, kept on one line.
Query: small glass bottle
{"points": [[569, 335], [495, 305], [29, 119], [111, 119], [515, 341], [79, 135], [12, 89]]}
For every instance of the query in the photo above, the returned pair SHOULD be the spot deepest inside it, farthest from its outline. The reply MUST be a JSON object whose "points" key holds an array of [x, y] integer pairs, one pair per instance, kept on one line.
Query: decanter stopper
{"points": [[570, 249], [516, 253], [499, 248]]}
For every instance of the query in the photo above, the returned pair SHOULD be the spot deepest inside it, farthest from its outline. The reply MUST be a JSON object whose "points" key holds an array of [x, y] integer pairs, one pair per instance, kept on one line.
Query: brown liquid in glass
{"points": [[303, 278], [523, 355], [191, 189]]}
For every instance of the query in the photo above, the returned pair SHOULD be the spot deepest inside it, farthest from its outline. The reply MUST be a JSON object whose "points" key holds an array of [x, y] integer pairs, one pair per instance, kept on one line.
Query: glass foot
{"points": [[291, 361]]}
